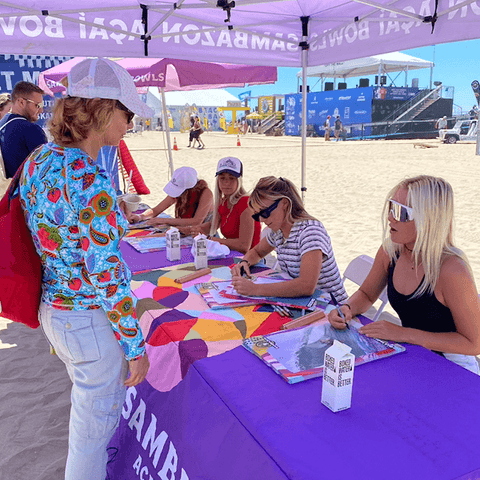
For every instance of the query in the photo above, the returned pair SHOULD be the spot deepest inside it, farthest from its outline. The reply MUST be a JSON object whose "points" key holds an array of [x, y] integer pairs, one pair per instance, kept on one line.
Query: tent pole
{"points": [[304, 46], [167, 129]]}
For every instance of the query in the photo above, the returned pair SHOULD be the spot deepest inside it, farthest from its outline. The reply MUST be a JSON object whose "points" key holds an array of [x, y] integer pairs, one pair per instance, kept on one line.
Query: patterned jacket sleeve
{"points": [[102, 226]]}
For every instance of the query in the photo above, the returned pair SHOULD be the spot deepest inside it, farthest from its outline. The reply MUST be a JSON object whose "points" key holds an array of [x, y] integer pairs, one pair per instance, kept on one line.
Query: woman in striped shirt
{"points": [[302, 244]]}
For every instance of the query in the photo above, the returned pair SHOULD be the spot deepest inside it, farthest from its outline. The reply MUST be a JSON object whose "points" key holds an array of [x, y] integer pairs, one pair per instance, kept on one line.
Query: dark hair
{"points": [[25, 88], [184, 200]]}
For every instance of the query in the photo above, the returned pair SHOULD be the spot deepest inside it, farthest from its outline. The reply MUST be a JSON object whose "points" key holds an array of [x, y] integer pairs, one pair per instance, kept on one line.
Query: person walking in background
{"points": [[338, 127], [429, 280], [19, 135], [327, 129], [87, 310], [197, 132], [5, 104], [191, 131], [441, 123]]}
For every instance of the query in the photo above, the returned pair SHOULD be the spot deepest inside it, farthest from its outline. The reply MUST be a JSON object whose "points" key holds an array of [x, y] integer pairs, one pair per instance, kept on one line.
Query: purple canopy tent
{"points": [[171, 75], [279, 33]]}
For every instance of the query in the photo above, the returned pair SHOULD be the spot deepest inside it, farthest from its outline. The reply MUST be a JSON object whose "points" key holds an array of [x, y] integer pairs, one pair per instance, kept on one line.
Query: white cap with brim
{"points": [[183, 178], [103, 78], [231, 165]]}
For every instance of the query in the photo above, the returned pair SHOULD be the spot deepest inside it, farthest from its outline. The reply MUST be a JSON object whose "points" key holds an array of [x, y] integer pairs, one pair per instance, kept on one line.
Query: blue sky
{"points": [[456, 64]]}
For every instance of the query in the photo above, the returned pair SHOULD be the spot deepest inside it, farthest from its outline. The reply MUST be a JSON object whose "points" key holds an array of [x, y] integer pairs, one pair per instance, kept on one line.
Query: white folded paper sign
{"points": [[215, 250]]}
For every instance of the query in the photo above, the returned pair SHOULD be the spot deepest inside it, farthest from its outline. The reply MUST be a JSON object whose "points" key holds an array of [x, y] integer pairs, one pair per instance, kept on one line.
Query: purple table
{"points": [[139, 262], [414, 416]]}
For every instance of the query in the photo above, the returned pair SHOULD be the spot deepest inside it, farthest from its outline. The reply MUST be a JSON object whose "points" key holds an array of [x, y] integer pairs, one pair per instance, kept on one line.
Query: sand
{"points": [[347, 183]]}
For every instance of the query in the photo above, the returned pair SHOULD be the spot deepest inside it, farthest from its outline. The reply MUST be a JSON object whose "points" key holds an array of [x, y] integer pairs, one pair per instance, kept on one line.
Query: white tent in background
{"points": [[374, 65]]}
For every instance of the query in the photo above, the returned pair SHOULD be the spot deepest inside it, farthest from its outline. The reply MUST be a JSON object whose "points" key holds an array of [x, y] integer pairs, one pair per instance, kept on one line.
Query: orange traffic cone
{"points": [[175, 147], [238, 141]]}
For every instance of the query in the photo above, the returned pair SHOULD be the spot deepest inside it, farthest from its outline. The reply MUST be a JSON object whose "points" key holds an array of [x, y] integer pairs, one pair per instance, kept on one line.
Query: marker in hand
{"points": [[337, 306]]}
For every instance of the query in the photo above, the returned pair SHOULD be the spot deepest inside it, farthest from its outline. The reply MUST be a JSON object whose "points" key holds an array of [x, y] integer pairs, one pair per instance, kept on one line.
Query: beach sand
{"points": [[347, 184]]}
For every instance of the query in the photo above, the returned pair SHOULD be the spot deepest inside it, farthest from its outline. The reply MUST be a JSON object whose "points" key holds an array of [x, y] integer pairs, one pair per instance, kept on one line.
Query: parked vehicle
{"points": [[464, 130]]}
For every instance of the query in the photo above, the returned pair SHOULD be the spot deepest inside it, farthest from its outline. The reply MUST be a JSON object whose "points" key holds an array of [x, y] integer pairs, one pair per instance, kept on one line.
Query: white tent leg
{"points": [[167, 130], [304, 120]]}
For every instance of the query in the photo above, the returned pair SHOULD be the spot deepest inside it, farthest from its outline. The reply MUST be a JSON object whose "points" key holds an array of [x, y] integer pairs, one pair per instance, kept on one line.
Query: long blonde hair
{"points": [[269, 189], [431, 199], [219, 198]]}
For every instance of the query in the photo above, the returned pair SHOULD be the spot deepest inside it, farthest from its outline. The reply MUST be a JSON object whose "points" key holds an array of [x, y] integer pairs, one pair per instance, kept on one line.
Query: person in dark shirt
{"points": [[19, 135]]}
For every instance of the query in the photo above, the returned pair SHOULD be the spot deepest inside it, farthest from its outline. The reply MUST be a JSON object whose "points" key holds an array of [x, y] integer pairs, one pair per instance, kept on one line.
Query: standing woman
{"points": [[87, 311], [303, 247], [192, 198], [430, 283], [232, 214]]}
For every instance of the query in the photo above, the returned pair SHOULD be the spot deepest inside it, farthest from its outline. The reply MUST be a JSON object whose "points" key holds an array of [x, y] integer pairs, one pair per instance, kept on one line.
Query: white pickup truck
{"points": [[464, 130]]}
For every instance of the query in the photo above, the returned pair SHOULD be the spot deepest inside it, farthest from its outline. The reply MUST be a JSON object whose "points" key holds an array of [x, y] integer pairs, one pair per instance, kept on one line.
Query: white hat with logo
{"points": [[183, 178], [231, 165], [103, 78]]}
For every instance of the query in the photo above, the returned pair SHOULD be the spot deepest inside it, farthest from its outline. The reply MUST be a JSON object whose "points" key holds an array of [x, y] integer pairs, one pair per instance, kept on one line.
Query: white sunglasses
{"points": [[400, 212]]}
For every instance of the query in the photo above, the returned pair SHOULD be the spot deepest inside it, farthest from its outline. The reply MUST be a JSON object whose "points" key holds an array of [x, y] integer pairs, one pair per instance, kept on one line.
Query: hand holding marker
{"points": [[337, 306]]}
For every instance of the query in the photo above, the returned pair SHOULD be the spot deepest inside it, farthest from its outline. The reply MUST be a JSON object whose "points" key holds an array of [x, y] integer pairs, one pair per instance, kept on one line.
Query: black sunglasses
{"points": [[265, 213], [122, 107]]}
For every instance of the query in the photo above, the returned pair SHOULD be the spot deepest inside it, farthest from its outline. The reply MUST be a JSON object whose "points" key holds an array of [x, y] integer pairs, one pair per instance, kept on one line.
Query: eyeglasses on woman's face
{"points": [[129, 113], [266, 212], [400, 212]]}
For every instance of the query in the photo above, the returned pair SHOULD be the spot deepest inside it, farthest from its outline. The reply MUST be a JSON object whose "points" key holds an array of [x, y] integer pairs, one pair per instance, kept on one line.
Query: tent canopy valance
{"points": [[252, 32]]}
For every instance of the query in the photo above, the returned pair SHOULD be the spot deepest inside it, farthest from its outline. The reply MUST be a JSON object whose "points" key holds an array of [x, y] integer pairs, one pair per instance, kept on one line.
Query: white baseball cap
{"points": [[103, 78], [183, 178], [231, 165]]}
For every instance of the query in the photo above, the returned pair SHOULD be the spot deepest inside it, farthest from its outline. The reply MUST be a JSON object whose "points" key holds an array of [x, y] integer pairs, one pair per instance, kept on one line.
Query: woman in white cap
{"points": [[232, 215], [192, 198], [87, 311]]}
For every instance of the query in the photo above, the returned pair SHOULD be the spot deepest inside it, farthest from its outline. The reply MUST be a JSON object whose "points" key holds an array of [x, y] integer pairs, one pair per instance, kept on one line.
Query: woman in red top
{"points": [[231, 213], [192, 198]]}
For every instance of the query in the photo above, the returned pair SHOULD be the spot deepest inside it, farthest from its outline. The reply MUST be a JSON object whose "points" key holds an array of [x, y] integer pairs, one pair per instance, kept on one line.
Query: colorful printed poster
{"points": [[298, 355]]}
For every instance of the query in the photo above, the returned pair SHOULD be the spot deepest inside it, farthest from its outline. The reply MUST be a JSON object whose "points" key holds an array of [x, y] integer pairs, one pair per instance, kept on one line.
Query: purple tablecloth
{"points": [[139, 262], [414, 416]]}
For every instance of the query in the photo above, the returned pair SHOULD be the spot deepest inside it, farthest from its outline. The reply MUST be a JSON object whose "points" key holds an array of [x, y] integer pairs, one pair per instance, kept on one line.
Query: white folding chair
{"points": [[357, 272]]}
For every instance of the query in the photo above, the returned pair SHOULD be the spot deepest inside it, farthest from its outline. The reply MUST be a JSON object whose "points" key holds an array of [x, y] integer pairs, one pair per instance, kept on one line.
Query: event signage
{"points": [[394, 93], [265, 105], [353, 106], [200, 33], [27, 68]]}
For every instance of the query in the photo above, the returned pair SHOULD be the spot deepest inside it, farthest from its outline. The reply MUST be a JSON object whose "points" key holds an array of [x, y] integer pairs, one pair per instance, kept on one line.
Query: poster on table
{"points": [[354, 106]]}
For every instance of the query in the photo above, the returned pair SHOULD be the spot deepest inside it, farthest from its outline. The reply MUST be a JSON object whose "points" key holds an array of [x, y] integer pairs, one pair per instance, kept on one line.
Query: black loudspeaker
{"points": [[342, 86], [308, 88], [383, 79], [364, 82], [328, 86]]}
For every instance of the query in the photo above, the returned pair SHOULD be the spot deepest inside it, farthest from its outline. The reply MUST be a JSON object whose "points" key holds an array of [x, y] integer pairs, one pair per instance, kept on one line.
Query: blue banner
{"points": [[16, 68], [394, 93], [354, 106]]}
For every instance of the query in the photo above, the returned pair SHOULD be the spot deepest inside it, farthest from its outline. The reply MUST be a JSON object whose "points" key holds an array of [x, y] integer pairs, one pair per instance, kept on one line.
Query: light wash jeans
{"points": [[85, 342]]}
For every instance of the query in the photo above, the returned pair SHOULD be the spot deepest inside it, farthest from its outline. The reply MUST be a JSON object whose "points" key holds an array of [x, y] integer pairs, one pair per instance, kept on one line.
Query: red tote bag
{"points": [[20, 265]]}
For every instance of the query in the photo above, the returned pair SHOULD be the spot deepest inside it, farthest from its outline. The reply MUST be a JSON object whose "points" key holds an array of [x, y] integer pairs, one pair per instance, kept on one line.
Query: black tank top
{"points": [[424, 312]]}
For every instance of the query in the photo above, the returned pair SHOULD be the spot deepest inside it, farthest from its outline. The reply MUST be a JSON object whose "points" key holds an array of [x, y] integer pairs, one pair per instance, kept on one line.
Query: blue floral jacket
{"points": [[71, 210]]}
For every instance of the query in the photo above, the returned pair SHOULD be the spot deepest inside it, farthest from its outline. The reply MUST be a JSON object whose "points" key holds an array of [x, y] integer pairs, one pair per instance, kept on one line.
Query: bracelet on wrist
{"points": [[246, 261], [347, 305]]}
